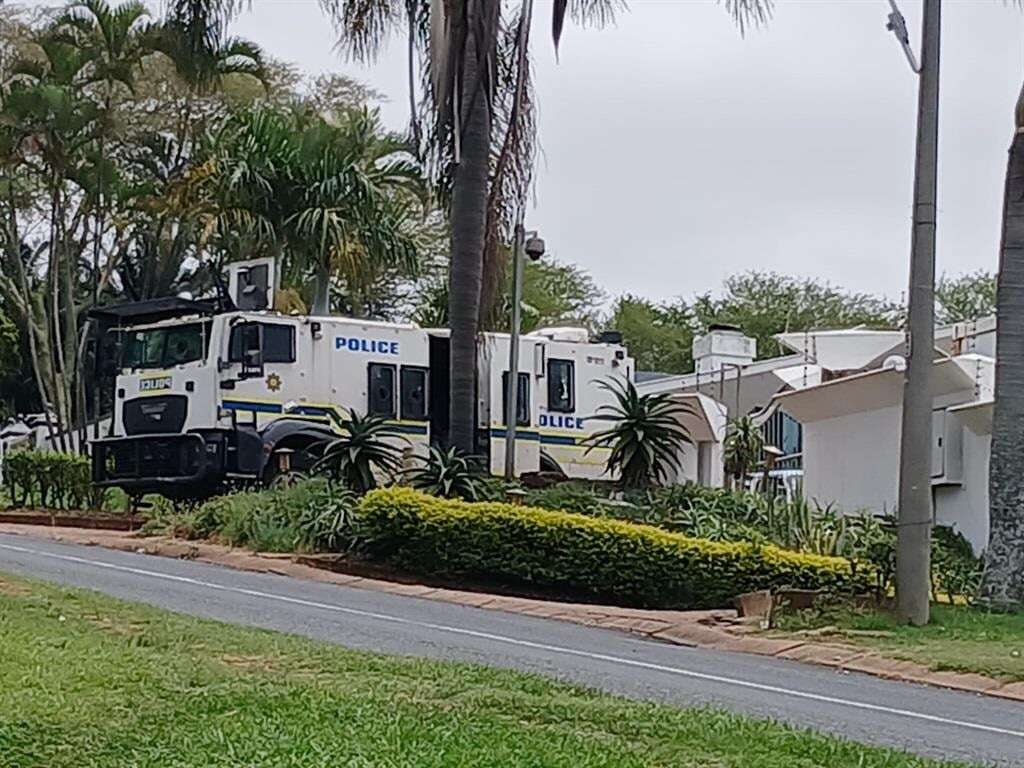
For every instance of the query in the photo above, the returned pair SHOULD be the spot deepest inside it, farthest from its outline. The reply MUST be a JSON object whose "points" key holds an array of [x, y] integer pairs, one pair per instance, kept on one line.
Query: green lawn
{"points": [[89, 681], [958, 638]]}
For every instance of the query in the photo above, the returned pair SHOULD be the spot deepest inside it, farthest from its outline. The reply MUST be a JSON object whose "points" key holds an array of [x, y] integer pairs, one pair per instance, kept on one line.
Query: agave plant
{"points": [[450, 474], [646, 436], [364, 451]]}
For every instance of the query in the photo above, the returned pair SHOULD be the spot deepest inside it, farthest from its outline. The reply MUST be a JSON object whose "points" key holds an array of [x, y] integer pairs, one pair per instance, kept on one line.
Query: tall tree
{"points": [[332, 201], [1004, 558], [965, 298]]}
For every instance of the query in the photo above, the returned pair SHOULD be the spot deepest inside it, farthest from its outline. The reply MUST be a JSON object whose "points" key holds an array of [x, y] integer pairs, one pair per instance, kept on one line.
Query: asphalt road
{"points": [[929, 721]]}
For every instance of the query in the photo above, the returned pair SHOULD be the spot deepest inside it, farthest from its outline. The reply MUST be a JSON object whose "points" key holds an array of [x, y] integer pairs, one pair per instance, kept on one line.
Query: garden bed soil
{"points": [[104, 521], [355, 566]]}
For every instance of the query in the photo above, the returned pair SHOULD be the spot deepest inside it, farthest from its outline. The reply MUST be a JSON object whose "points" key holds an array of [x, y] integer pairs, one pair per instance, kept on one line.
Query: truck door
{"points": [[263, 370]]}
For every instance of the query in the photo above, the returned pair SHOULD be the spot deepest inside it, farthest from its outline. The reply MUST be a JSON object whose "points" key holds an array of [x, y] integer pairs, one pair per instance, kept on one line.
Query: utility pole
{"points": [[512, 391], [914, 524], [526, 244]]}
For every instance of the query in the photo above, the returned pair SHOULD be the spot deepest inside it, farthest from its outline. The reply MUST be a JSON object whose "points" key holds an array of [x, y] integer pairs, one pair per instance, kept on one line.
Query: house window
{"points": [[414, 393], [561, 386], [381, 391], [275, 342], [522, 399]]}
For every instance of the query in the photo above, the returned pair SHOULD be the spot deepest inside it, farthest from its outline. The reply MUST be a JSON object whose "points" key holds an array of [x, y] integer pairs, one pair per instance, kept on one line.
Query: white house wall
{"points": [[965, 506], [853, 460]]}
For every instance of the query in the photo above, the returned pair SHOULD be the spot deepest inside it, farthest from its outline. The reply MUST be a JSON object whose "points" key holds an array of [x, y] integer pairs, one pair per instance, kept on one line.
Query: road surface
{"points": [[925, 720]]}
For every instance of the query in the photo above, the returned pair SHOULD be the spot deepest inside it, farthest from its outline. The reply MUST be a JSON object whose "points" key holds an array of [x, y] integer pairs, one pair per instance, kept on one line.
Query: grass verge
{"points": [[959, 638], [86, 680]]}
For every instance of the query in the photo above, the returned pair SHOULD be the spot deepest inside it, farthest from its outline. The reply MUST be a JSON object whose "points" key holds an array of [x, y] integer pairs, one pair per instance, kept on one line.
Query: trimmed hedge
{"points": [[51, 479], [611, 560]]}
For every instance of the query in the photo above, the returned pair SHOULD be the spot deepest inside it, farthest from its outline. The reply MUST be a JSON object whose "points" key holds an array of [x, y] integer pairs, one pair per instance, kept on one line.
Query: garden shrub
{"points": [[51, 479], [605, 559], [275, 520]]}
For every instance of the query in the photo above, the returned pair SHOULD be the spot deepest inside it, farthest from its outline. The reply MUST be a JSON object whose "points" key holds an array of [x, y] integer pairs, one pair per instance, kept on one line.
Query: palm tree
{"points": [[744, 442], [113, 39], [1004, 558], [646, 437], [331, 200]]}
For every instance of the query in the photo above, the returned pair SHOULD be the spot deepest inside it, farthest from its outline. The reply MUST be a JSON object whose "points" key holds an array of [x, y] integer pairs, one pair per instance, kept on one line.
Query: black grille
{"points": [[154, 457], [155, 415]]}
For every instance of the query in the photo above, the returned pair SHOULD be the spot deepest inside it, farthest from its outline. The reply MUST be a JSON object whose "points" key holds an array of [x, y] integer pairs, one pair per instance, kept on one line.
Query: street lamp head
{"points": [[534, 247]]}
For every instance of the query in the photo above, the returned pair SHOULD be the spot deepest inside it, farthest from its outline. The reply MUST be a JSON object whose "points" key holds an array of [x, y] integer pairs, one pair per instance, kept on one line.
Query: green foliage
{"points": [[761, 304], [744, 442], [956, 572], [804, 526], [645, 438], [600, 558], [658, 336], [327, 523], [575, 496], [364, 451], [51, 480], [964, 298], [450, 474], [307, 515], [958, 637]]}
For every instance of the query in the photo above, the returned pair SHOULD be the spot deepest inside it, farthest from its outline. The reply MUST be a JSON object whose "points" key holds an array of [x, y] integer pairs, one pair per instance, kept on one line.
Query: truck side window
{"points": [[414, 393], [381, 390], [522, 399], [561, 386], [245, 337], [278, 343]]}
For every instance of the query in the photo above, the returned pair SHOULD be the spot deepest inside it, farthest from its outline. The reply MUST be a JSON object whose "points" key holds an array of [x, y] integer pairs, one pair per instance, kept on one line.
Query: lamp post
{"points": [[530, 244]]}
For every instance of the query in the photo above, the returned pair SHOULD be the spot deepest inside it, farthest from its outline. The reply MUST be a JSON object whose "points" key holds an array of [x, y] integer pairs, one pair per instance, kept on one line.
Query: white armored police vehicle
{"points": [[206, 395]]}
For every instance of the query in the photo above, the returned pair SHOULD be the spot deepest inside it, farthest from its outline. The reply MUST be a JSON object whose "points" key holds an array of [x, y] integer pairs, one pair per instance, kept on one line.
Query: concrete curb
{"points": [[716, 629]]}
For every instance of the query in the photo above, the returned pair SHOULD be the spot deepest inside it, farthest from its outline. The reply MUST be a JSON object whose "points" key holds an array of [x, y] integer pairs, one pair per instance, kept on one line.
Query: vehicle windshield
{"points": [[164, 347]]}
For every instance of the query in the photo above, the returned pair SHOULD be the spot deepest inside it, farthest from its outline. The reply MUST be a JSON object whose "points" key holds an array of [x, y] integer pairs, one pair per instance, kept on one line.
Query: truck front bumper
{"points": [[172, 464]]}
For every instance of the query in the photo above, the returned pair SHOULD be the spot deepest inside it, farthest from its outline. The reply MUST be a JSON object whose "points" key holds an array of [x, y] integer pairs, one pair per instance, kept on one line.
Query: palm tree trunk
{"points": [[1004, 558], [322, 290], [468, 222]]}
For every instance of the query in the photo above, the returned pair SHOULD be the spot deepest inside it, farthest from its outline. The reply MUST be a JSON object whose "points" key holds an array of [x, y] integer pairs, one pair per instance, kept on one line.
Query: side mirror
{"points": [[252, 364]]}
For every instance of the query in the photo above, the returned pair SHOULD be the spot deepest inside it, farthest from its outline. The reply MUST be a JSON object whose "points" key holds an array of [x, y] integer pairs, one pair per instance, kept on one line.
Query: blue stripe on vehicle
{"points": [[244, 405], [499, 434]]}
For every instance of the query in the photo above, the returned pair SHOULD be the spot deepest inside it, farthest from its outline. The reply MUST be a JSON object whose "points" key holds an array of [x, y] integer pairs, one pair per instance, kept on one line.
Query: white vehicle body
{"points": [[204, 397]]}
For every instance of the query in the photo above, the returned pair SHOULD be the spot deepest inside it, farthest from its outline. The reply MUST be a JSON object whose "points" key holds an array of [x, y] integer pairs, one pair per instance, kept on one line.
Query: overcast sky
{"points": [[676, 152]]}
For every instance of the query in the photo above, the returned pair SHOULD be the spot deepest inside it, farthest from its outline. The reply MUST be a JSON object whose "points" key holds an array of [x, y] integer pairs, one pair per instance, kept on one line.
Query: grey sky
{"points": [[677, 152]]}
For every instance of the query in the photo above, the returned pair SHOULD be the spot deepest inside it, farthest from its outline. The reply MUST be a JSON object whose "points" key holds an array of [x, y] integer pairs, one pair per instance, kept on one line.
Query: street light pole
{"points": [[512, 396], [913, 541]]}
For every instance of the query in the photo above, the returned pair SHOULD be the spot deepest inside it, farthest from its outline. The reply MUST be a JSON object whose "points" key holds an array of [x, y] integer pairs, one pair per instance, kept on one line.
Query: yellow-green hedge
{"points": [[608, 559]]}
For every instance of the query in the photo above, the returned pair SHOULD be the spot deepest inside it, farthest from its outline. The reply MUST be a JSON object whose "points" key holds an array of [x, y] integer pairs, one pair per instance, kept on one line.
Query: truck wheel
{"points": [[286, 468], [286, 479]]}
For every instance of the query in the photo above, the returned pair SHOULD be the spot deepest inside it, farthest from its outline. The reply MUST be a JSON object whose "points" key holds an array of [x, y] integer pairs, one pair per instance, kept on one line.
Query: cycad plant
{"points": [[744, 443], [363, 452], [450, 474], [646, 436]]}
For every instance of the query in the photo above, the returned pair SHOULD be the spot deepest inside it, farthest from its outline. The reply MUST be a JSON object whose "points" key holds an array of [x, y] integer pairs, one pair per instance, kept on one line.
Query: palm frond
{"points": [[747, 13]]}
